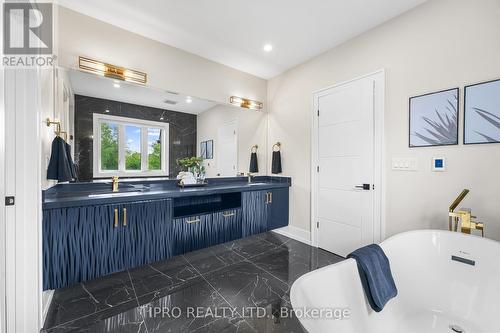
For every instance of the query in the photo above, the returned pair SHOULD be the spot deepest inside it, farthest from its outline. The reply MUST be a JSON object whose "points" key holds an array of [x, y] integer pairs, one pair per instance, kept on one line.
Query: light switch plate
{"points": [[404, 164]]}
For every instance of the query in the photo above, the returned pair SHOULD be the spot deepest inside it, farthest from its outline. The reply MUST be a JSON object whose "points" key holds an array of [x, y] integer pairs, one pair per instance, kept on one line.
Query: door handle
{"points": [[270, 197], [116, 218], [365, 187], [124, 217]]}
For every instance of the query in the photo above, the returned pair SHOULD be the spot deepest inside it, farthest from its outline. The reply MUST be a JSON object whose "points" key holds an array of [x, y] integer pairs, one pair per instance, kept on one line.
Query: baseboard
{"points": [[46, 300], [298, 234]]}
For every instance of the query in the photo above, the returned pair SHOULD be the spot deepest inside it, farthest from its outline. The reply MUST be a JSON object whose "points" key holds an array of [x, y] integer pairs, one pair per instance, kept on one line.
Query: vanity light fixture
{"points": [[245, 103], [111, 71]]}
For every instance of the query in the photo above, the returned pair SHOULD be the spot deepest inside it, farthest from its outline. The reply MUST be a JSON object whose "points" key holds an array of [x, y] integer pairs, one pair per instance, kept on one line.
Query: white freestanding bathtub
{"points": [[435, 293]]}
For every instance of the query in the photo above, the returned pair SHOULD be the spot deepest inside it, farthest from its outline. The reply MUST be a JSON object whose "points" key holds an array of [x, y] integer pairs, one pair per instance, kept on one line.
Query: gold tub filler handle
{"points": [[463, 217]]}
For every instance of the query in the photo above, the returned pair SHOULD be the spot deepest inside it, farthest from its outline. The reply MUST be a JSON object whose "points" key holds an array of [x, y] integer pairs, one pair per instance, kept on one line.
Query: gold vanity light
{"points": [[112, 71], [245, 103]]}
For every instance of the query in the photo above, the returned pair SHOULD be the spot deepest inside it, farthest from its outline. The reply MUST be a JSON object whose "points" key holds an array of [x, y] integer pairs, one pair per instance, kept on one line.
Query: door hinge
{"points": [[318, 113], [317, 225], [10, 201], [317, 168]]}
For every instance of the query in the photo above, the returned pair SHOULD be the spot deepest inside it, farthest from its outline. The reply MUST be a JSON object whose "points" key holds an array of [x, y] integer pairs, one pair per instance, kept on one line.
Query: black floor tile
{"points": [[178, 310], [212, 258], [255, 272], [126, 318], [157, 276], [250, 246], [89, 298]]}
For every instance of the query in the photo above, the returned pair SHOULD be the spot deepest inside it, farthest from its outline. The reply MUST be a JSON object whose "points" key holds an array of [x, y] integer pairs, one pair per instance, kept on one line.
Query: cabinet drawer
{"points": [[200, 231]]}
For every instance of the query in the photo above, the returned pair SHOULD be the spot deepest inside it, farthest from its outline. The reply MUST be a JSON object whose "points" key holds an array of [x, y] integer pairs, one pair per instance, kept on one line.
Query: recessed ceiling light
{"points": [[189, 99], [161, 118], [268, 48], [116, 85]]}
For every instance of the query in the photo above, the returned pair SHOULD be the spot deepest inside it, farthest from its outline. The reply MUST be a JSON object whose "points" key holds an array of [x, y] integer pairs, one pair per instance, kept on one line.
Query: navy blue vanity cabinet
{"points": [[278, 202], [264, 210], [146, 228], [256, 212], [83, 243], [80, 243]]}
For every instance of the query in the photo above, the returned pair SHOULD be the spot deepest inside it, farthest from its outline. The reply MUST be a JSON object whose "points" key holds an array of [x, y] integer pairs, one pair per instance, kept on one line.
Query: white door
{"points": [[227, 150], [345, 156]]}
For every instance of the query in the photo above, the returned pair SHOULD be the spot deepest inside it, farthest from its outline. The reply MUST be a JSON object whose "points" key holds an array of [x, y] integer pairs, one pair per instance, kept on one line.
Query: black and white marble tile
{"points": [[227, 282], [213, 258], [90, 297], [160, 275]]}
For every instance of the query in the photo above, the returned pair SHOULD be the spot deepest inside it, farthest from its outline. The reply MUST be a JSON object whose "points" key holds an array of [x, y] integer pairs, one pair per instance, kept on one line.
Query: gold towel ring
{"points": [[278, 145], [254, 148]]}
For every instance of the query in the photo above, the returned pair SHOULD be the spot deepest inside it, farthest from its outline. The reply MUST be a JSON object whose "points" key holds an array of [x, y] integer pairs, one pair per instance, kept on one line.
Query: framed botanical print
{"points": [[482, 113], [434, 119]]}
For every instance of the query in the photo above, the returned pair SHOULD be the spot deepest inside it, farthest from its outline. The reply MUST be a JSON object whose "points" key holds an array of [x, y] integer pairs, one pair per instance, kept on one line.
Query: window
{"points": [[129, 147]]}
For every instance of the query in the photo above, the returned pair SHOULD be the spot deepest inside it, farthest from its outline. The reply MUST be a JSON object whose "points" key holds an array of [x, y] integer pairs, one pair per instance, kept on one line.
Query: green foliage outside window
{"points": [[109, 147]]}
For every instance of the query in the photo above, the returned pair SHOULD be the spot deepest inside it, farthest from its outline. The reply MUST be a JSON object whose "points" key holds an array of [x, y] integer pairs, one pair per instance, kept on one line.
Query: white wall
{"points": [[167, 67], [252, 130], [441, 44]]}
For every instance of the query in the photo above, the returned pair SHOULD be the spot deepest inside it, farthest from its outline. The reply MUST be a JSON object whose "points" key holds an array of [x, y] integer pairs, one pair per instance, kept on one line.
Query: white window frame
{"points": [[122, 121]]}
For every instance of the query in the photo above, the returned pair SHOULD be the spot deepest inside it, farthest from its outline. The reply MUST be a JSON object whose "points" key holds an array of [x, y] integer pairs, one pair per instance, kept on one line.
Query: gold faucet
{"points": [[463, 217], [115, 183]]}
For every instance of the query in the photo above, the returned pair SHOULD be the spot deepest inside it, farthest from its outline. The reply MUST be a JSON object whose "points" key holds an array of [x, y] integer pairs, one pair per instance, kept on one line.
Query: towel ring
{"points": [[254, 148], [277, 145]]}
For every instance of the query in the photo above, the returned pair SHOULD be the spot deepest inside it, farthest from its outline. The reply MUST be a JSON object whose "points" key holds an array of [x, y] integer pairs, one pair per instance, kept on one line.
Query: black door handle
{"points": [[365, 187]]}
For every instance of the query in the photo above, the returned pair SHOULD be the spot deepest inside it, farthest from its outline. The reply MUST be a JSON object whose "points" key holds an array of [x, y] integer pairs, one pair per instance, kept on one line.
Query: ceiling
{"points": [[233, 32], [101, 87]]}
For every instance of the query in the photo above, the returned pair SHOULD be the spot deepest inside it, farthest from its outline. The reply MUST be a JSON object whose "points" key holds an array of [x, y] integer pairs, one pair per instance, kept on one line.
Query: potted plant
{"points": [[192, 164]]}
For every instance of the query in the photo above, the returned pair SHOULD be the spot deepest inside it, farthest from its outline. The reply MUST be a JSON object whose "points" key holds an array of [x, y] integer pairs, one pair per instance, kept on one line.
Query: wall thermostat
{"points": [[438, 164]]}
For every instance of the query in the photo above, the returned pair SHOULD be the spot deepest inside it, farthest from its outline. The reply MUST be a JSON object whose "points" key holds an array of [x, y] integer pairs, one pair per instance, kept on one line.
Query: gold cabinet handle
{"points": [[124, 217], [195, 220], [228, 214], [116, 218]]}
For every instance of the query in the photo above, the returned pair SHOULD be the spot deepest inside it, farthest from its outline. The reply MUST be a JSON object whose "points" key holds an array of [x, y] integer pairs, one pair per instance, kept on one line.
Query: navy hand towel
{"points": [[276, 162], [376, 277], [254, 166], [59, 165]]}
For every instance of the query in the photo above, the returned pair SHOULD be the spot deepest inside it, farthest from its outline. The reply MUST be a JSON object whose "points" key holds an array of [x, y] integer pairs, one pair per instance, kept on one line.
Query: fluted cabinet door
{"points": [[255, 212], [79, 244], [146, 232], [84, 243]]}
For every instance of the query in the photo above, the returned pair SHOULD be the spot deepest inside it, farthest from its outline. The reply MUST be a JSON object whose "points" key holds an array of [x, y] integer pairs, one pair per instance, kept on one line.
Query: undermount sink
{"points": [[253, 184], [115, 194]]}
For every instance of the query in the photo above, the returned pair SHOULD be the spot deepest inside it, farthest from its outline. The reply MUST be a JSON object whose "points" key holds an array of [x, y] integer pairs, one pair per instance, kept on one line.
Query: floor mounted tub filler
{"points": [[447, 282]]}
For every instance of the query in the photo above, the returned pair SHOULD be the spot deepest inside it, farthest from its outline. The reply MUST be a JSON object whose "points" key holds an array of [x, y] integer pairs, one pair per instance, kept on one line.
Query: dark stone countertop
{"points": [[99, 193]]}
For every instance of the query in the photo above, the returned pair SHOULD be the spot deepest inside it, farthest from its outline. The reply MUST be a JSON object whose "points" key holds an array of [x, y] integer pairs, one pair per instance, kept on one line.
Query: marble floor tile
{"points": [[160, 275], [240, 286], [212, 258], [250, 246], [90, 297]]}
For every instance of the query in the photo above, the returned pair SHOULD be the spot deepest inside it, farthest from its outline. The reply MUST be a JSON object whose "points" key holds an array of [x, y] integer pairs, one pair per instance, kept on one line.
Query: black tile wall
{"points": [[182, 130]]}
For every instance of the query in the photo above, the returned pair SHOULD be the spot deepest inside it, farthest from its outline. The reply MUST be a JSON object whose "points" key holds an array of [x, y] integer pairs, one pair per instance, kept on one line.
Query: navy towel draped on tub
{"points": [[376, 277], [61, 167]]}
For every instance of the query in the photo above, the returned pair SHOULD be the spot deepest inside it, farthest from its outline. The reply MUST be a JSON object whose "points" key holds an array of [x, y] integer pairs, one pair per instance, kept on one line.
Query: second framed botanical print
{"points": [[482, 113]]}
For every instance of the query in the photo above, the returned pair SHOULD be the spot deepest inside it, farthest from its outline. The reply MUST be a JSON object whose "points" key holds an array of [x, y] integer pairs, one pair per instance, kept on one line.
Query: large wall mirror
{"points": [[117, 128]]}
